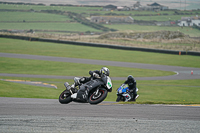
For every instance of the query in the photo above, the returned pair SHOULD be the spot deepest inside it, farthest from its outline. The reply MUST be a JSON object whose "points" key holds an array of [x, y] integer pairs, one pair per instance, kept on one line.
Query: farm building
{"points": [[109, 8], [156, 7], [112, 19], [150, 7], [189, 21]]}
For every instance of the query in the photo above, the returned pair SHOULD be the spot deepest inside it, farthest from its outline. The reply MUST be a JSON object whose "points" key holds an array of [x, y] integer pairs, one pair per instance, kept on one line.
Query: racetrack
{"points": [[24, 115], [48, 115]]}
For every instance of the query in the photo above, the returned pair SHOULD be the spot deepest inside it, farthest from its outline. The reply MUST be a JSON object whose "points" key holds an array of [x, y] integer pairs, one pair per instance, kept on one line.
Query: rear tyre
{"points": [[97, 98], [65, 97]]}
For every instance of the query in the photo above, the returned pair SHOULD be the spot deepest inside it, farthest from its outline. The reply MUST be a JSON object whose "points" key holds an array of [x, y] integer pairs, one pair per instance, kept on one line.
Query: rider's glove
{"points": [[131, 91], [73, 85], [95, 75]]}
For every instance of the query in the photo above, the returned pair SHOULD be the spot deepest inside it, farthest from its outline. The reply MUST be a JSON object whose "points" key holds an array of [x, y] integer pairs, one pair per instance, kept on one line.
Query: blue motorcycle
{"points": [[123, 93]]}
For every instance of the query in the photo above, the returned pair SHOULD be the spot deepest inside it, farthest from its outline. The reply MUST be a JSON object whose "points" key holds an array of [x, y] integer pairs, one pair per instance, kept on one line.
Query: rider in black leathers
{"points": [[94, 74], [132, 86]]}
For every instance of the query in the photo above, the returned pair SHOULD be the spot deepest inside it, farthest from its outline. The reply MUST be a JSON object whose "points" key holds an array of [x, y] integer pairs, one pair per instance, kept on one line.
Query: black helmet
{"points": [[130, 78], [105, 70]]}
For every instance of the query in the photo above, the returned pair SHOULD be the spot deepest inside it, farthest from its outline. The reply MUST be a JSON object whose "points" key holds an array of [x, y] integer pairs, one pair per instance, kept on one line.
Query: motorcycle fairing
{"points": [[85, 89], [109, 83], [122, 89], [126, 96]]}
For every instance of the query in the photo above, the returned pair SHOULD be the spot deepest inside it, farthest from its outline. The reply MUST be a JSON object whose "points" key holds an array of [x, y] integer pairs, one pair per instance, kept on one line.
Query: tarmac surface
{"points": [[23, 115]]}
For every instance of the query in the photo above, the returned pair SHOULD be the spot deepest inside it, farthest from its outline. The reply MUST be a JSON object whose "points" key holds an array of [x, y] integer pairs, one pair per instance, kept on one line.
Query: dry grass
{"points": [[182, 44]]}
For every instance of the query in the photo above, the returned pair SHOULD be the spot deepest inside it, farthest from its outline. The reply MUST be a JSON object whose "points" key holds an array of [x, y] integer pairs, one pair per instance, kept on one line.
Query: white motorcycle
{"points": [[93, 92]]}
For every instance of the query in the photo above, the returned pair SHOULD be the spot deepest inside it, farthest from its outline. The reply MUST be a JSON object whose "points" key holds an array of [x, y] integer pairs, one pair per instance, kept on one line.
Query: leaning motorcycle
{"points": [[123, 93], [93, 92]]}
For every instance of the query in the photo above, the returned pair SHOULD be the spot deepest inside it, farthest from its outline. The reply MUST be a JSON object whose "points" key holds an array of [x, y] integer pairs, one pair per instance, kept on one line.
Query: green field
{"points": [[40, 7], [48, 26], [31, 16], [160, 18], [85, 12], [153, 91], [45, 21]]}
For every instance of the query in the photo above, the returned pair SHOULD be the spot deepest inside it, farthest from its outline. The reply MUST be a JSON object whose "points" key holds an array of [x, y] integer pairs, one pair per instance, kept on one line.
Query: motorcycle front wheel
{"points": [[65, 97], [96, 98], [118, 98]]}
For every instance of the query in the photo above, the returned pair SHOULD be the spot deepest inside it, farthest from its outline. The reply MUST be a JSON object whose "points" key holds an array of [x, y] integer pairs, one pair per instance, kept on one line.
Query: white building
{"points": [[189, 21]]}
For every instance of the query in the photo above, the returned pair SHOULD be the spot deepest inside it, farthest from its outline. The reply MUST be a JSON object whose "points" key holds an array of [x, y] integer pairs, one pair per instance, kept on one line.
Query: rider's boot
{"points": [[74, 96], [136, 96], [132, 97]]}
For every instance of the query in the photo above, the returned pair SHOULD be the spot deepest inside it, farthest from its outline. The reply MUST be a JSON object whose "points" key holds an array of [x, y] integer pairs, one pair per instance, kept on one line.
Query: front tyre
{"points": [[65, 97], [118, 98], [99, 97]]}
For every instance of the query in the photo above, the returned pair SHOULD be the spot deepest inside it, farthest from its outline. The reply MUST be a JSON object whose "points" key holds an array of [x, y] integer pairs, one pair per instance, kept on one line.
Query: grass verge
{"points": [[151, 92], [165, 92]]}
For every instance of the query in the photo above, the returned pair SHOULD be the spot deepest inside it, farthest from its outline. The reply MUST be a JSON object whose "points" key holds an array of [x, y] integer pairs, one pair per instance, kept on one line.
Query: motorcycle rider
{"points": [[132, 87], [94, 74]]}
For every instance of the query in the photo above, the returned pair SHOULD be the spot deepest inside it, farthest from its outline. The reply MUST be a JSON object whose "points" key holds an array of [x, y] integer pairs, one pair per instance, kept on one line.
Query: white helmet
{"points": [[105, 70]]}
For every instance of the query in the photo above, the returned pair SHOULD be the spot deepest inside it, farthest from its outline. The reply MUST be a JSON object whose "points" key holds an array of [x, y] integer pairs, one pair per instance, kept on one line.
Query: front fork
{"points": [[71, 91], [97, 91]]}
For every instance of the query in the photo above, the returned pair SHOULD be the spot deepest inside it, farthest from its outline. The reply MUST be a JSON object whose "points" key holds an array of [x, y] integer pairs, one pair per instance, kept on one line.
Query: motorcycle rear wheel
{"points": [[65, 97], [97, 98]]}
